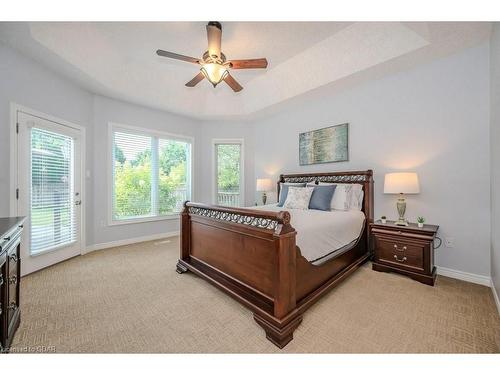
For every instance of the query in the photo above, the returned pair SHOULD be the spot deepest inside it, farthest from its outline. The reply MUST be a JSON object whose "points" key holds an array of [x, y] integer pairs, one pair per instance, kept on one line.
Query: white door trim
{"points": [[14, 109], [228, 141]]}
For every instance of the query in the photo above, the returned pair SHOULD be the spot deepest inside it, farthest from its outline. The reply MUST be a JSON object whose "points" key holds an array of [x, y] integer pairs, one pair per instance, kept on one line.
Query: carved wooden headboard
{"points": [[364, 178]]}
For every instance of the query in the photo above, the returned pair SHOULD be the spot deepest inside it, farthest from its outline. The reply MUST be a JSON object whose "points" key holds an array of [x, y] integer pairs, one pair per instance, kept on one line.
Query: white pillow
{"points": [[356, 201], [301, 184], [346, 196], [340, 200], [298, 197]]}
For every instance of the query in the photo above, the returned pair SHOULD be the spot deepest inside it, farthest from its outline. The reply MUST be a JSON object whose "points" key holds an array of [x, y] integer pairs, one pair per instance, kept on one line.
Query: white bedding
{"points": [[322, 234]]}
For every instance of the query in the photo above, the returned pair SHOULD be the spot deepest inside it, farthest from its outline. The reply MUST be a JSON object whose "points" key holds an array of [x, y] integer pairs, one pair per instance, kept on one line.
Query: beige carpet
{"points": [[130, 299]]}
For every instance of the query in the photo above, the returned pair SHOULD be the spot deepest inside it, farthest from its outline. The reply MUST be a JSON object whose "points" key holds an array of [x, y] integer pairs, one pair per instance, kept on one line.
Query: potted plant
{"points": [[383, 219], [420, 221]]}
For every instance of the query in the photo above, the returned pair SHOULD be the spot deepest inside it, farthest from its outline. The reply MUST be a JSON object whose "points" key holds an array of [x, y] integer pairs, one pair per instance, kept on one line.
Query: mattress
{"points": [[323, 235]]}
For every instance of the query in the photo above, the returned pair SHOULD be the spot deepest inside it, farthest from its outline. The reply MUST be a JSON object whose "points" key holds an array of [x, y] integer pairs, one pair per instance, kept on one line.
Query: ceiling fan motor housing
{"points": [[216, 24], [214, 59]]}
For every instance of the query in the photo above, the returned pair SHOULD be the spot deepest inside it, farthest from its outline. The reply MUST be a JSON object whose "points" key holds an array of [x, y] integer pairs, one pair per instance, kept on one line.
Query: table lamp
{"points": [[401, 183], [264, 185]]}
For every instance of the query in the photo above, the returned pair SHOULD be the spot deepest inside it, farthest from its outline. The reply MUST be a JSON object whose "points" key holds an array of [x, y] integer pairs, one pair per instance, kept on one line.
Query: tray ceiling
{"points": [[117, 59]]}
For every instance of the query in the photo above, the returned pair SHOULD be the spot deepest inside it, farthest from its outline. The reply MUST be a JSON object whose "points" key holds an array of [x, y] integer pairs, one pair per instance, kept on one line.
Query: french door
{"points": [[49, 191]]}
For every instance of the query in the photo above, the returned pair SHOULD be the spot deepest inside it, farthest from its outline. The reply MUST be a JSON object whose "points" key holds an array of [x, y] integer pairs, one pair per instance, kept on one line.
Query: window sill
{"points": [[143, 219]]}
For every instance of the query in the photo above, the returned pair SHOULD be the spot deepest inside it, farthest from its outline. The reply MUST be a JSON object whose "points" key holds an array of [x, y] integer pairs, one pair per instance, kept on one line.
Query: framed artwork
{"points": [[326, 145]]}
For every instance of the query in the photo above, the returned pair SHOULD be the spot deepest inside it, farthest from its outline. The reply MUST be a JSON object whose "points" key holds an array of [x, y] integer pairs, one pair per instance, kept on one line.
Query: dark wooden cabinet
{"points": [[10, 275], [405, 250]]}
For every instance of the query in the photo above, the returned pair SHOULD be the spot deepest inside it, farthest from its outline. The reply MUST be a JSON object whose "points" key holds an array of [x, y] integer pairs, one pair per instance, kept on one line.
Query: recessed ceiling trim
{"points": [[116, 59]]}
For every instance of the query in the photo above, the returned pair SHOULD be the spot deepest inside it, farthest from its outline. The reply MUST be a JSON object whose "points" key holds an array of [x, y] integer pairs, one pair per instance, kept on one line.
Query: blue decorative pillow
{"points": [[284, 191], [321, 197]]}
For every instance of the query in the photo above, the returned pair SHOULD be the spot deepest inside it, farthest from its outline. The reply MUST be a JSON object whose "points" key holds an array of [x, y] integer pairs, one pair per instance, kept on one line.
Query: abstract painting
{"points": [[326, 145]]}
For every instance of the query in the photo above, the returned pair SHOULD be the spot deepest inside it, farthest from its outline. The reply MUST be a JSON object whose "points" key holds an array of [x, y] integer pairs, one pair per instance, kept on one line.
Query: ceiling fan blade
{"points": [[233, 83], [214, 35], [197, 79], [248, 64], [176, 56]]}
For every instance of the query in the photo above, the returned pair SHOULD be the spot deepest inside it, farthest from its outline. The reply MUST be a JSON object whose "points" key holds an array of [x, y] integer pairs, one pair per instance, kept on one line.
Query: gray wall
{"points": [[495, 156], [29, 84], [433, 120]]}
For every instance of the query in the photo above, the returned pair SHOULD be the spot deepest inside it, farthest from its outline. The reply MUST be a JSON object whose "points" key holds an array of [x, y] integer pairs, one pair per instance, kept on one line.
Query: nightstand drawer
{"points": [[401, 253]]}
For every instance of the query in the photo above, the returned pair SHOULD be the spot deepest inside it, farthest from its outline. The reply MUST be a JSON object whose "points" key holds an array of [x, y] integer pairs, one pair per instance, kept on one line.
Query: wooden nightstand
{"points": [[405, 250]]}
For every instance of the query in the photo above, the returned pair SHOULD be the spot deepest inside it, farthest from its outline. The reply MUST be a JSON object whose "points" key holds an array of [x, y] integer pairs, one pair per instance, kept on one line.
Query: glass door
{"points": [[49, 191], [229, 173]]}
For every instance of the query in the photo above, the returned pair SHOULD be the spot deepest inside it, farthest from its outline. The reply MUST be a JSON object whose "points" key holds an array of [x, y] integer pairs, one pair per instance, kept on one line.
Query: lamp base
{"points": [[401, 206], [264, 198], [402, 223]]}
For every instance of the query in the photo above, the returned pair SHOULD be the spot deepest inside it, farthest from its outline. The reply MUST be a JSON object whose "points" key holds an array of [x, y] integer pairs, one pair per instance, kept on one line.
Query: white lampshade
{"points": [[401, 183], [264, 184]]}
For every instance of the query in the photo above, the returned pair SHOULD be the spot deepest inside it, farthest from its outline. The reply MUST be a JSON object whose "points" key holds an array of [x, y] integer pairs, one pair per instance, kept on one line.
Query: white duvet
{"points": [[321, 234]]}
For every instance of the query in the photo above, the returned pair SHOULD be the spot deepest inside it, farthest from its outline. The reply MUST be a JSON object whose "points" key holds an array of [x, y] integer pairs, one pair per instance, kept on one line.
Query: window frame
{"points": [[112, 127], [228, 141]]}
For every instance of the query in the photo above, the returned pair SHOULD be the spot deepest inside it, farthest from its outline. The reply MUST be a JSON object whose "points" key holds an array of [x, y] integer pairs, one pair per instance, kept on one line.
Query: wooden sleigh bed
{"points": [[252, 256]]}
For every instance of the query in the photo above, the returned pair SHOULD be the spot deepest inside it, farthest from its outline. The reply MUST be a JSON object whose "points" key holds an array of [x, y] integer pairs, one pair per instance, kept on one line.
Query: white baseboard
{"points": [[472, 278], [495, 296], [128, 241], [465, 276]]}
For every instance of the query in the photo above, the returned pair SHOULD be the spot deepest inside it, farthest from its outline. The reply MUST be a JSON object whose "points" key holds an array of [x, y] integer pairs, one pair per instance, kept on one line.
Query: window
{"points": [[228, 172], [151, 174]]}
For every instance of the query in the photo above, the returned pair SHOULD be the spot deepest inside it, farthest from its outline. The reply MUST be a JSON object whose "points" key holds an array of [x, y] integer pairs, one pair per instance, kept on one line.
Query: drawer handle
{"points": [[7, 238], [12, 306], [13, 257], [400, 260], [12, 279], [398, 249]]}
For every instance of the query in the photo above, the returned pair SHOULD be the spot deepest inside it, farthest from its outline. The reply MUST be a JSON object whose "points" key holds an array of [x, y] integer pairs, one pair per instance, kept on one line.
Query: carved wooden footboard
{"points": [[252, 256], [249, 254]]}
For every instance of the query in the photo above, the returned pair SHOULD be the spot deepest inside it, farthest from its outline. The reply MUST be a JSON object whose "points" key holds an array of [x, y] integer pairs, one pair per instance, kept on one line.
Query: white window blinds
{"points": [[151, 175], [52, 191]]}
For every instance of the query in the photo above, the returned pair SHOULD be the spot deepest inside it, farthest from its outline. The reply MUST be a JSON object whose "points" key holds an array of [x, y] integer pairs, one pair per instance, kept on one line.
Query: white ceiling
{"points": [[118, 59]]}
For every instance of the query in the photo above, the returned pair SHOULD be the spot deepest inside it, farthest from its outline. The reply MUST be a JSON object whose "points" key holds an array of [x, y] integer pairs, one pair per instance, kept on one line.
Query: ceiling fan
{"points": [[214, 65]]}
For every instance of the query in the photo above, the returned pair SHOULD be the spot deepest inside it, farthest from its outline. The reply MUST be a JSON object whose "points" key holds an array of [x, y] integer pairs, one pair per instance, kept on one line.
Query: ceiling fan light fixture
{"points": [[214, 72], [214, 65]]}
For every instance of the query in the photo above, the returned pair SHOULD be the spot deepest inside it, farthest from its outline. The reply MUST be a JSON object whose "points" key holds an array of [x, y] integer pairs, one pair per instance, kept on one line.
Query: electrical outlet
{"points": [[103, 224], [449, 242]]}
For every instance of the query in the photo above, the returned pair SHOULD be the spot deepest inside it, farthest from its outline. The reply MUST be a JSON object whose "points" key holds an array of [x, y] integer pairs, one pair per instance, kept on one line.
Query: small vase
{"points": [[420, 225]]}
